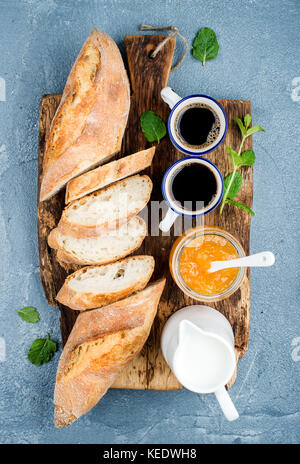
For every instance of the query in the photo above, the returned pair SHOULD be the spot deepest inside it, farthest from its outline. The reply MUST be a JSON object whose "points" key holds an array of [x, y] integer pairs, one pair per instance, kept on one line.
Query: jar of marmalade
{"points": [[190, 260]]}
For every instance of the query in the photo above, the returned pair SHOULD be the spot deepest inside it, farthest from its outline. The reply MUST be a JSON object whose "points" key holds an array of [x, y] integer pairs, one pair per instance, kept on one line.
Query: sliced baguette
{"points": [[108, 174], [104, 249], [95, 286], [88, 126], [101, 344], [106, 209]]}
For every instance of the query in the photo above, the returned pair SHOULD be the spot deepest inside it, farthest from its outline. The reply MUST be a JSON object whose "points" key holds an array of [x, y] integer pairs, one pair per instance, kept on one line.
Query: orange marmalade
{"points": [[195, 261]]}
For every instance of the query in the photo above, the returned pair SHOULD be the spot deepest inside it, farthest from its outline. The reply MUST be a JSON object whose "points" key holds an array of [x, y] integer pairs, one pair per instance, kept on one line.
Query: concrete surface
{"points": [[258, 60]]}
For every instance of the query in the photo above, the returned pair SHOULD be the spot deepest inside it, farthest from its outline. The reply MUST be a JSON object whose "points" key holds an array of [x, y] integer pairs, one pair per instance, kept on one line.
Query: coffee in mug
{"points": [[197, 126], [190, 187], [193, 183]]}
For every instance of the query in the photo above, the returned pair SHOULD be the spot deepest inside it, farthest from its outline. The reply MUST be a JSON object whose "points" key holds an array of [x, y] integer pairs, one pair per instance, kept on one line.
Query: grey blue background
{"points": [[258, 60]]}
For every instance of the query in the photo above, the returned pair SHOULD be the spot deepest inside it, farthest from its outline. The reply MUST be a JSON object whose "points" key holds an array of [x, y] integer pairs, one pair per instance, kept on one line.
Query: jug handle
{"points": [[169, 96], [226, 404]]}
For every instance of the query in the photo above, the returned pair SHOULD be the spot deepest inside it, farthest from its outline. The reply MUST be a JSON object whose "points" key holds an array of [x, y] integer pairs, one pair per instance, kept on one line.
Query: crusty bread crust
{"points": [[67, 227], [82, 301], [101, 344], [53, 240], [108, 174], [65, 256], [89, 123]]}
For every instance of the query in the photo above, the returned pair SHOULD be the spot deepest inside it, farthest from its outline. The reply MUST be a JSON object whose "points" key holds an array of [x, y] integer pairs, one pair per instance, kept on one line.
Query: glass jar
{"points": [[185, 240]]}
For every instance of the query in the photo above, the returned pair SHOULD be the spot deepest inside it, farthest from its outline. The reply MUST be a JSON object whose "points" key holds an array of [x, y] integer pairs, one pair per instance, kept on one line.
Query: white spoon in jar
{"points": [[265, 258]]}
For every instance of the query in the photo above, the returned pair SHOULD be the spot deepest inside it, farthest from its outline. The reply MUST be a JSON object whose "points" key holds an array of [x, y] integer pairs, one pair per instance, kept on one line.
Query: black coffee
{"points": [[194, 183], [198, 125]]}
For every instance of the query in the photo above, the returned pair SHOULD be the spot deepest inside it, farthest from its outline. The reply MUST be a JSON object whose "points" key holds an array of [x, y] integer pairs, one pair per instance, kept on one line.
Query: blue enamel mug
{"points": [[178, 106], [174, 208]]}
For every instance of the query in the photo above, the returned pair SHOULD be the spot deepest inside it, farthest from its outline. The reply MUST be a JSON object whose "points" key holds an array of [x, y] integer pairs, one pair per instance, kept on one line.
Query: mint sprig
{"points": [[234, 181]]}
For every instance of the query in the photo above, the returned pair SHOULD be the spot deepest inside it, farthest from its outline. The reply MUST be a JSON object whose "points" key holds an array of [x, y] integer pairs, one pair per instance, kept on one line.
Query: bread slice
{"points": [[101, 344], [89, 123], [104, 249], [94, 286], [108, 174], [106, 209]]}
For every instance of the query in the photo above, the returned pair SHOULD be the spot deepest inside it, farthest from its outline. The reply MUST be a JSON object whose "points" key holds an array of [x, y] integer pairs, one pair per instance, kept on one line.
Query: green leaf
{"points": [[233, 154], [205, 45], [241, 125], [247, 158], [29, 314], [241, 206], [153, 127], [42, 350], [255, 129], [235, 186], [247, 120]]}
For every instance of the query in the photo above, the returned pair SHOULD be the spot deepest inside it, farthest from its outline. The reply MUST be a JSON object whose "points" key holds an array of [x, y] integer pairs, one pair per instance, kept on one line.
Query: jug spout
{"points": [[190, 357], [202, 362], [187, 329]]}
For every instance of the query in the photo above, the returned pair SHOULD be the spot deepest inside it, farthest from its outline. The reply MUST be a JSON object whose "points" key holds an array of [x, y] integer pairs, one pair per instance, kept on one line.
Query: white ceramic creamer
{"points": [[198, 344]]}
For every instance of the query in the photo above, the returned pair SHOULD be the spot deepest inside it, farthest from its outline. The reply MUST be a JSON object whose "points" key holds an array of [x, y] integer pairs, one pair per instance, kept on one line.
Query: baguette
{"points": [[89, 123], [106, 209], [101, 344], [108, 174], [99, 250], [95, 286]]}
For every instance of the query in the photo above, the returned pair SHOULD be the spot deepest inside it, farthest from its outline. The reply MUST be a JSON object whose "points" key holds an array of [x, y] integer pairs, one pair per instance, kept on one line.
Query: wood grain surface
{"points": [[148, 76]]}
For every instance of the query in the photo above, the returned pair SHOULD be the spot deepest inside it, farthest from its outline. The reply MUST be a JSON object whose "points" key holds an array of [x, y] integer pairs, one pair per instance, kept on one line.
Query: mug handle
{"points": [[226, 404], [169, 96], [169, 219]]}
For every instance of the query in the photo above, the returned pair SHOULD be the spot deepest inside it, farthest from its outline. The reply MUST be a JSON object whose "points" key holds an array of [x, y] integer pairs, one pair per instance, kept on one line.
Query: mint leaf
{"points": [[153, 127], [247, 158], [205, 45], [241, 125], [42, 350], [247, 120], [29, 314], [236, 184], [255, 129], [233, 154], [241, 206]]}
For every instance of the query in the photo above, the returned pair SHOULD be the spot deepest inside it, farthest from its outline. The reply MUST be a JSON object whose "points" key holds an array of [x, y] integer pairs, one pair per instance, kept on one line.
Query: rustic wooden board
{"points": [[148, 76]]}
